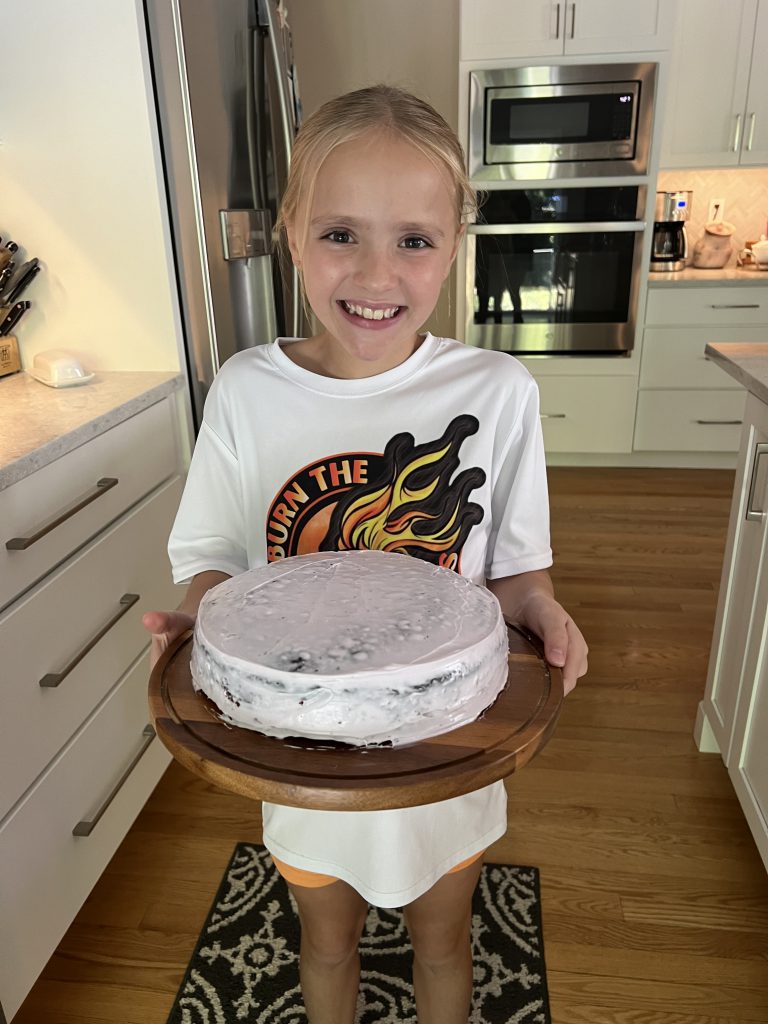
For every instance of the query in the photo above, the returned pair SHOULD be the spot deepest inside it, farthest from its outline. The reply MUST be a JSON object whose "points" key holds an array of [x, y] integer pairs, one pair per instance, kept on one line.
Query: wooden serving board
{"points": [[301, 773]]}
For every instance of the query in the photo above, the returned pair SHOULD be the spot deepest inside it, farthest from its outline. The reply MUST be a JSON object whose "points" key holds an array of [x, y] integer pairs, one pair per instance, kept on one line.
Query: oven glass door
{"points": [[555, 272]]}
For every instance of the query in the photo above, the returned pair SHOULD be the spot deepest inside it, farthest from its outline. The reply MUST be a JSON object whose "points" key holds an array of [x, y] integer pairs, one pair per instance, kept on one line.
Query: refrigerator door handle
{"points": [[275, 20], [272, 17]]}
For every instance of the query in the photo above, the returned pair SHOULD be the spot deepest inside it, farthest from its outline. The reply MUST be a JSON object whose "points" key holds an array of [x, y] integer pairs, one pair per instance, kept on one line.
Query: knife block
{"points": [[9, 355]]}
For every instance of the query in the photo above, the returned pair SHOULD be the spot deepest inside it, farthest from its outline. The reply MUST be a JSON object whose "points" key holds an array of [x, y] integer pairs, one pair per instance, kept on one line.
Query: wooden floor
{"points": [[655, 901]]}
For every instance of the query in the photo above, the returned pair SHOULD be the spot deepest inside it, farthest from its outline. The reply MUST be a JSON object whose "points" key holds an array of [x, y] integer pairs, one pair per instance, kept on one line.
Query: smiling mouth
{"points": [[370, 312]]}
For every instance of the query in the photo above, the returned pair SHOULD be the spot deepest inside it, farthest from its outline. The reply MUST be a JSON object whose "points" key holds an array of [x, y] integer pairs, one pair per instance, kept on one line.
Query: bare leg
{"points": [[332, 919], [440, 923]]}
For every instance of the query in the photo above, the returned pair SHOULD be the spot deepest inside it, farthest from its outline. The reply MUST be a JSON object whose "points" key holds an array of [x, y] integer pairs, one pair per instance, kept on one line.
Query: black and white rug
{"points": [[245, 966]]}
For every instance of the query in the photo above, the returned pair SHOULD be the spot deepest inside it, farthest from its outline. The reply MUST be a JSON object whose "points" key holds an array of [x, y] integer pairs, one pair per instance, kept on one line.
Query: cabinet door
{"points": [[737, 620], [754, 148], [748, 754], [499, 29], [608, 26], [710, 75]]}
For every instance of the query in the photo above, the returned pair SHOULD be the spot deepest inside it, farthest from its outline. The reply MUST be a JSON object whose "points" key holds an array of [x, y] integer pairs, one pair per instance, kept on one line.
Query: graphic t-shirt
{"points": [[440, 458]]}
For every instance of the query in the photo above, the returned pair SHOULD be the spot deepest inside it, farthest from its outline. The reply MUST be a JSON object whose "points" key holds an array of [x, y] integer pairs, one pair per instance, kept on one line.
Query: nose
{"points": [[375, 271]]}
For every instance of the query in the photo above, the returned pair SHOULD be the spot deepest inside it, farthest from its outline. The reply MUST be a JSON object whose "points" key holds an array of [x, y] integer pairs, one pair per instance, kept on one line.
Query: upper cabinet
{"points": [[718, 109], [500, 29]]}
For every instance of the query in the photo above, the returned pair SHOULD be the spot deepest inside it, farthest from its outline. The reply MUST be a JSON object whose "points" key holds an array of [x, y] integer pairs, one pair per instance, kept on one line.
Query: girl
{"points": [[297, 431]]}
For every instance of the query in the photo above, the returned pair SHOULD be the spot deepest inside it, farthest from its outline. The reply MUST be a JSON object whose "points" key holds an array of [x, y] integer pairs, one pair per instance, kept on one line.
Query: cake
{"points": [[358, 647]]}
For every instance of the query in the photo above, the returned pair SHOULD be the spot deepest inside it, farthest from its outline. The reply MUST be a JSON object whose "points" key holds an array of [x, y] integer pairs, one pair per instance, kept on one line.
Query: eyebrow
{"points": [[353, 222]]}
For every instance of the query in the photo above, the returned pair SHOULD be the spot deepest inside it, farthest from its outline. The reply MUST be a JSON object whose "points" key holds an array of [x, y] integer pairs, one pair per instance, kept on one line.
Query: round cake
{"points": [[359, 647]]}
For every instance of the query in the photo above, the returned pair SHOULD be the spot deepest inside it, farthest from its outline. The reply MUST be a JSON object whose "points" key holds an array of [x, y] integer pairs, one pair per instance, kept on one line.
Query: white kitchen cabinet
{"points": [[684, 403], [688, 421], [718, 106], [735, 705], [587, 414], [78, 756], [492, 29]]}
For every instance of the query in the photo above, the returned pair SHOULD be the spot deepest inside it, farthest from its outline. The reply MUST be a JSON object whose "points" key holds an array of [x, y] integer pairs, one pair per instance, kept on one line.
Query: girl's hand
{"points": [[165, 627], [564, 645]]}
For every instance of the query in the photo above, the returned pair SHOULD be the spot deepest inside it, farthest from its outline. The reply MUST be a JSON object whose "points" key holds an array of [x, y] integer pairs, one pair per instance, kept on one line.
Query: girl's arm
{"points": [[529, 599], [165, 627]]}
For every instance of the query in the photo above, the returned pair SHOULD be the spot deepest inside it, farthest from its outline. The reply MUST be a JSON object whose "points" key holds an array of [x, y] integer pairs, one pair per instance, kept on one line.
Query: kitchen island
{"points": [[733, 716]]}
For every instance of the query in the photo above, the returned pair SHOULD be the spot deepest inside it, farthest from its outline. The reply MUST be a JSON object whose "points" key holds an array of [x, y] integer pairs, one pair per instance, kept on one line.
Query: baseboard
{"points": [[705, 738]]}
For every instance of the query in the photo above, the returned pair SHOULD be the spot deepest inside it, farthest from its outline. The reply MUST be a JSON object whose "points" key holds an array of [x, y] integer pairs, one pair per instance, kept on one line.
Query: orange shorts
{"points": [[314, 880]]}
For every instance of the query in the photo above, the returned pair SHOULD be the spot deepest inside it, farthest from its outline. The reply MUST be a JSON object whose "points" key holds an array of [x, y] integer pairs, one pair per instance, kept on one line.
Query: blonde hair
{"points": [[352, 115]]}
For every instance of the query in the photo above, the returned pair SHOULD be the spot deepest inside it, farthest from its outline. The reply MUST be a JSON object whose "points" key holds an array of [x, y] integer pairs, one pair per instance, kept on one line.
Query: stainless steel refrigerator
{"points": [[228, 108]]}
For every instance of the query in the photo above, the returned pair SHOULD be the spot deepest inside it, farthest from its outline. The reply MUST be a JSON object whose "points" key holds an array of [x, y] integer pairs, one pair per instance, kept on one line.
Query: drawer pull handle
{"points": [[53, 679], [101, 487], [552, 416], [755, 515], [84, 828], [735, 305], [719, 423]]}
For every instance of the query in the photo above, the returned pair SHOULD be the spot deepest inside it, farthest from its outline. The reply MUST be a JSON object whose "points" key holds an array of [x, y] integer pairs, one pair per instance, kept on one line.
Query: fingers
{"points": [[564, 645], [575, 664], [165, 627], [168, 624]]}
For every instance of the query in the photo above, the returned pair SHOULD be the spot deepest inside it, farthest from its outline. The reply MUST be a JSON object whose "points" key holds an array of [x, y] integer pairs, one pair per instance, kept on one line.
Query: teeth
{"points": [[371, 314]]}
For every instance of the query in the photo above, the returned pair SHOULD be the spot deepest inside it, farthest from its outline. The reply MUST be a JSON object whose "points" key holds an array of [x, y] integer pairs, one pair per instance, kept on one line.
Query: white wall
{"points": [[80, 187]]}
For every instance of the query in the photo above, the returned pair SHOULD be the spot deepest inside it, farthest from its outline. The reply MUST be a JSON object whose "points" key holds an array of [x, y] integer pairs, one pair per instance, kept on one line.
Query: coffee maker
{"points": [[670, 242]]}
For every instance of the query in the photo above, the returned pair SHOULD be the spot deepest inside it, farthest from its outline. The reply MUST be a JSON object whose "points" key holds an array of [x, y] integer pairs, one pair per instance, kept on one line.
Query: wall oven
{"points": [[560, 122], [556, 270]]}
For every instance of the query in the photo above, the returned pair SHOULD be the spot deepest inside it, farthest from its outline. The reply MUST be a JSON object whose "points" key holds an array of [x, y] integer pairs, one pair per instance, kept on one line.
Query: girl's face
{"points": [[380, 239]]}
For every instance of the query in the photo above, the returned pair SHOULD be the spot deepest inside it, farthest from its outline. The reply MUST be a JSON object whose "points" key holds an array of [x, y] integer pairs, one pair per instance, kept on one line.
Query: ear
{"points": [[290, 232]]}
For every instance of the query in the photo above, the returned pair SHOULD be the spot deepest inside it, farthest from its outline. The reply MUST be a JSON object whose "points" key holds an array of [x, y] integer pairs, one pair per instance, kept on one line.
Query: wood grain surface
{"points": [[334, 777]]}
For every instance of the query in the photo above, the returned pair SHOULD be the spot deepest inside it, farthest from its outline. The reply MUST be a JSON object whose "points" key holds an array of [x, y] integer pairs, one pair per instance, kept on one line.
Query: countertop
{"points": [[693, 277], [746, 363], [39, 424]]}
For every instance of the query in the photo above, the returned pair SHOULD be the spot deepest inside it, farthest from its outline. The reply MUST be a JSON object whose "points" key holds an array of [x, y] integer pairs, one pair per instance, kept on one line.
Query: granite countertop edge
{"points": [[696, 277], [746, 363], [53, 449]]}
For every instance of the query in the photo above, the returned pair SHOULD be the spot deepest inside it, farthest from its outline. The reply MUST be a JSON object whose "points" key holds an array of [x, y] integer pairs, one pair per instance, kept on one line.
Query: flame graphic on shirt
{"points": [[414, 505]]}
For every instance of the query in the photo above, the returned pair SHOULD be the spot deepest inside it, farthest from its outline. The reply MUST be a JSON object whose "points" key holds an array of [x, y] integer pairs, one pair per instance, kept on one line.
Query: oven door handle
{"points": [[558, 228]]}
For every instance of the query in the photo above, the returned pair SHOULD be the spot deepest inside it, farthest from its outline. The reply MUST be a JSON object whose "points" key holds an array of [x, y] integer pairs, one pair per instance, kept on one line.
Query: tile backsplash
{"points": [[744, 192]]}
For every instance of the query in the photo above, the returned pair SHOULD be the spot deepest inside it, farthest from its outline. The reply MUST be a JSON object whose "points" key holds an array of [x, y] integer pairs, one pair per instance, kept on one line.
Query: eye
{"points": [[415, 242], [339, 236]]}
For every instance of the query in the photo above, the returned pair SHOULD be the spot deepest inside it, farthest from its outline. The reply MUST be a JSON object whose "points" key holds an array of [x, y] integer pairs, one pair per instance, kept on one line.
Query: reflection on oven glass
{"points": [[530, 279]]}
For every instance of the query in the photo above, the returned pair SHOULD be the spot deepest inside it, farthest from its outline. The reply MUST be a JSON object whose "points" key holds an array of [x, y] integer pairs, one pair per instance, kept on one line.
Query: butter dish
{"points": [[59, 369]]}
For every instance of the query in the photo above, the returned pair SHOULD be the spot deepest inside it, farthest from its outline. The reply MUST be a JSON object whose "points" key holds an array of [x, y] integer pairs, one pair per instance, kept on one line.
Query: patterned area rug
{"points": [[245, 966]]}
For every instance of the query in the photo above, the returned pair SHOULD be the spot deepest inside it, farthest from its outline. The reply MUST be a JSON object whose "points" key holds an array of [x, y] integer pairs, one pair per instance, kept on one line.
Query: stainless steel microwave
{"points": [[564, 121]]}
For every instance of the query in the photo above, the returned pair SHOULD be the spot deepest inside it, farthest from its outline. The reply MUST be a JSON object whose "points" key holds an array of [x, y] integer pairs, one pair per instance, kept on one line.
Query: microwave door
{"points": [[561, 124]]}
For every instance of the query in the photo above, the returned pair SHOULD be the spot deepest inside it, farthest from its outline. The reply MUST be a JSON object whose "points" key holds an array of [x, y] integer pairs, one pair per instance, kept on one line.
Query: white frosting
{"points": [[359, 647]]}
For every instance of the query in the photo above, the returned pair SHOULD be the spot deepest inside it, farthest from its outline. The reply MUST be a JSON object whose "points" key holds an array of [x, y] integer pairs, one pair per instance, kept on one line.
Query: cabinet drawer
{"points": [[711, 306], [673, 357], [46, 872], [689, 421], [43, 635], [587, 414], [139, 454]]}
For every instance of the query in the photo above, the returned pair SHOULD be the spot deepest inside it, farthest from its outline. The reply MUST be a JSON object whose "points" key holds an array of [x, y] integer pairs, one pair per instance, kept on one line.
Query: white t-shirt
{"points": [[282, 466]]}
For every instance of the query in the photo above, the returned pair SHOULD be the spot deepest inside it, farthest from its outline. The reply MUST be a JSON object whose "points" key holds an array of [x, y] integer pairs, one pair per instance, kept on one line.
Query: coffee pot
{"points": [[669, 249]]}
